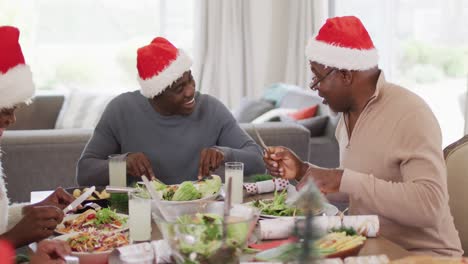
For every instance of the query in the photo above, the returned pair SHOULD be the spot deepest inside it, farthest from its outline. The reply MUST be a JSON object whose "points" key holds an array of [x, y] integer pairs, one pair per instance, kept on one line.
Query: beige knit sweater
{"points": [[394, 167]]}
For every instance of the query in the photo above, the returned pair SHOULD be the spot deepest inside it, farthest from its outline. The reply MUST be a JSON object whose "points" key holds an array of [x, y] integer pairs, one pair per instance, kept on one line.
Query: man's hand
{"points": [[50, 251], [138, 164], [327, 180], [210, 160], [283, 162], [59, 198], [38, 222]]}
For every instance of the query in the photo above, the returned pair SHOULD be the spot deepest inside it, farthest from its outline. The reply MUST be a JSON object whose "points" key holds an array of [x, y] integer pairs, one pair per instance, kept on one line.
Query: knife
{"points": [[79, 200]]}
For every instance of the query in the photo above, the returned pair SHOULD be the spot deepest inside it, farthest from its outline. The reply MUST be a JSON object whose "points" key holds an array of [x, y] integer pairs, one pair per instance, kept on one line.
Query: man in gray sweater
{"points": [[167, 130]]}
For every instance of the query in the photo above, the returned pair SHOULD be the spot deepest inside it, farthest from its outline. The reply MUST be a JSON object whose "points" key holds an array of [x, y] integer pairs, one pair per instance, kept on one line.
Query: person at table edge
{"points": [[167, 130], [22, 223], [391, 160]]}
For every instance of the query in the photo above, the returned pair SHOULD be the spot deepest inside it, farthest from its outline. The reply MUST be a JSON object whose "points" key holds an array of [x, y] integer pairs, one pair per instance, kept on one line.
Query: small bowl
{"points": [[195, 243], [101, 202]]}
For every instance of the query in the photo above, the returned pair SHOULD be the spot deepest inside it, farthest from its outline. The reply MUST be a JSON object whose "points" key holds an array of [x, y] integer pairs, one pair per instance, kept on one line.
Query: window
{"points": [[423, 46], [92, 44]]}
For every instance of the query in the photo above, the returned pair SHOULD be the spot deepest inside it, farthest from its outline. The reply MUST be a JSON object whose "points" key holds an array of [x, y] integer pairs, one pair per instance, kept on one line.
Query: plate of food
{"points": [[188, 191], [94, 246], [337, 244], [277, 207], [100, 196], [104, 219]]}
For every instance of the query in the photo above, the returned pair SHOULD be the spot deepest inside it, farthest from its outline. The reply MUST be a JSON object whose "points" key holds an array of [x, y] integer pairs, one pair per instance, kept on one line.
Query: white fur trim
{"points": [[15, 214], [16, 86], [10, 215], [3, 202], [341, 58], [157, 84]]}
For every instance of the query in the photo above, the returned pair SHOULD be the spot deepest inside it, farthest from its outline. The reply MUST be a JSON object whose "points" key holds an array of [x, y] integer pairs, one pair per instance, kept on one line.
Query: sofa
{"points": [[280, 99], [37, 156]]}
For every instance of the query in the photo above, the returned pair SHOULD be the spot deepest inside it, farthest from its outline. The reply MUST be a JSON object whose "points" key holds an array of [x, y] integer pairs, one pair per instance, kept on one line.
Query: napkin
{"points": [[145, 253], [271, 244], [276, 184], [366, 225], [277, 228], [378, 259], [329, 261], [162, 251], [282, 227]]}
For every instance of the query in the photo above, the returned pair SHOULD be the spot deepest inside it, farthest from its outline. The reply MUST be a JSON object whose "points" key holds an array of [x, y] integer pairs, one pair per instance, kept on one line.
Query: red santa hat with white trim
{"points": [[16, 83], [159, 65], [343, 43]]}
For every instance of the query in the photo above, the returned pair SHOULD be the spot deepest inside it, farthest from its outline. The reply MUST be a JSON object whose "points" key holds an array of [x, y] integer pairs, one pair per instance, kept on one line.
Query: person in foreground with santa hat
{"points": [[167, 130], [391, 160], [21, 224]]}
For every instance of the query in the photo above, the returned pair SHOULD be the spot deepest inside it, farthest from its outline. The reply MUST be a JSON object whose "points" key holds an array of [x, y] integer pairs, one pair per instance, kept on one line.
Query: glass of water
{"points": [[118, 170], [235, 170], [139, 209]]}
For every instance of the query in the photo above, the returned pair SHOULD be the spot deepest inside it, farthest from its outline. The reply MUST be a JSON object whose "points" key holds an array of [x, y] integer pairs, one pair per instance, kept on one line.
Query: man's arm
{"points": [[93, 165], [238, 146], [420, 198]]}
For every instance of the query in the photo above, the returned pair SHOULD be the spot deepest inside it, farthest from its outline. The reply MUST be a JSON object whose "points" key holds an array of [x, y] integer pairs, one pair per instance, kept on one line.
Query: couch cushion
{"points": [[82, 109], [298, 99], [250, 109], [273, 115], [304, 113], [276, 91], [40, 114], [316, 125]]}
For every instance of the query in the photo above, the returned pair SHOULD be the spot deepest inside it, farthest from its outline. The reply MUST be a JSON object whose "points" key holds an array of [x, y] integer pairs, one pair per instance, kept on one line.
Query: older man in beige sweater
{"points": [[391, 161]]}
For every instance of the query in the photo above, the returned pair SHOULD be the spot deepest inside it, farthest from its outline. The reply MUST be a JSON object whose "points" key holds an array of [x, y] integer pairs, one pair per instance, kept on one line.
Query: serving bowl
{"points": [[195, 233]]}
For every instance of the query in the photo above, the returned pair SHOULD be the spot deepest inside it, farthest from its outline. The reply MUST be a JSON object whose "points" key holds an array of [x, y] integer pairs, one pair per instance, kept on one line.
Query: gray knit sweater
{"points": [[172, 143]]}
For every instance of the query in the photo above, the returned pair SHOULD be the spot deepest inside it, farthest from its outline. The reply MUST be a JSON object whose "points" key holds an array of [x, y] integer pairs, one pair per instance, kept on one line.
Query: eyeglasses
{"points": [[316, 82]]}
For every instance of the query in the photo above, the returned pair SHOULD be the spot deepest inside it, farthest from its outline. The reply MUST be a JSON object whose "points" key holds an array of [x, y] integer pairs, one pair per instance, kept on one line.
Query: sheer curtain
{"points": [[242, 46], [223, 59], [300, 28]]}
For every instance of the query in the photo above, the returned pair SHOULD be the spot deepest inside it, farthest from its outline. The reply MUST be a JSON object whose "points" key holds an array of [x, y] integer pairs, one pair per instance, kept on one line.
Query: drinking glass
{"points": [[139, 208], [118, 170], [235, 170]]}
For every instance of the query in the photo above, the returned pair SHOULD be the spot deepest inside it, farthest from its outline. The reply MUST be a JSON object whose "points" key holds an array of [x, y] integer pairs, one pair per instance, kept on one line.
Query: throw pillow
{"points": [[272, 115], [250, 109], [277, 91], [82, 109], [304, 113], [316, 125]]}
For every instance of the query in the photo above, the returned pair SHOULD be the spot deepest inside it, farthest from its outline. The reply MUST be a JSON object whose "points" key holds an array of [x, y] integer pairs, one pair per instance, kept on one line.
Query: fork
{"points": [[260, 139]]}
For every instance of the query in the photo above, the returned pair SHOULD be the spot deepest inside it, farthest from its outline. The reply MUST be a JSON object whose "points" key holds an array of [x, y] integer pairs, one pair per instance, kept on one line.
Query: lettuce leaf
{"points": [[210, 186]]}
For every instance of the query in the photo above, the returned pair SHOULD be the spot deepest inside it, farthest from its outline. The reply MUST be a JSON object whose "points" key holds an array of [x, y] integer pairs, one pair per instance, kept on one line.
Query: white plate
{"points": [[73, 216], [100, 257], [328, 209]]}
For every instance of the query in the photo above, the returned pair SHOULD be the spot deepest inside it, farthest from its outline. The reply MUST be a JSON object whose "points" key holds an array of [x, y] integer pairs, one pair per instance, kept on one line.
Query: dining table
{"points": [[373, 246]]}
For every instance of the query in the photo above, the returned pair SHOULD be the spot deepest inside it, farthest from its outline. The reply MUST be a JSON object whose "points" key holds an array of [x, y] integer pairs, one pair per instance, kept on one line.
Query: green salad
{"points": [[199, 238], [188, 191], [277, 206]]}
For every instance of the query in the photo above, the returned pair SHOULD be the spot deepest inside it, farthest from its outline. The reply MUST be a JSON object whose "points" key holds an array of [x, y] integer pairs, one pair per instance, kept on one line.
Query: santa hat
{"points": [[16, 84], [159, 65], [343, 43]]}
